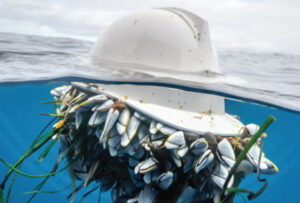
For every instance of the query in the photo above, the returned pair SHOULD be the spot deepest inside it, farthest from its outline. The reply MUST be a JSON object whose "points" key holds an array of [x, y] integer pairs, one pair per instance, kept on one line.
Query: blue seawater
{"points": [[20, 122]]}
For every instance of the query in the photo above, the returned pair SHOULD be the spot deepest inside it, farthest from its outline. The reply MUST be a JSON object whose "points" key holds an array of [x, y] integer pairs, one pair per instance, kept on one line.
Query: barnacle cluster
{"points": [[143, 160]]}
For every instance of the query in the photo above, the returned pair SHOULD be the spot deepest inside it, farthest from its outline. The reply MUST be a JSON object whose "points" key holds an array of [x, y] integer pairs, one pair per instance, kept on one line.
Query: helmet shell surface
{"points": [[166, 39]]}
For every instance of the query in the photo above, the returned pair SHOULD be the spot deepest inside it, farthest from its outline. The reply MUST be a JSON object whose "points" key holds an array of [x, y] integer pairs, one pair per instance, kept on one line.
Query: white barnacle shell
{"points": [[252, 128], [124, 117], [182, 151], [89, 102], [98, 98], [220, 174], [97, 118], [120, 128], [114, 139], [176, 159], [266, 166], [157, 143], [112, 151], [253, 156], [165, 130], [104, 106], [143, 133], [78, 119], [59, 91], [131, 130], [226, 152], [146, 166], [140, 116], [111, 118], [133, 200], [165, 180], [175, 140], [205, 159], [123, 121], [152, 127], [271, 167], [199, 146]]}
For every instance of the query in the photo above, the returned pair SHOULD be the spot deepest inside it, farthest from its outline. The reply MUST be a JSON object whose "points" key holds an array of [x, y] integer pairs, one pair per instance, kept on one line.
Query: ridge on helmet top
{"points": [[158, 40]]}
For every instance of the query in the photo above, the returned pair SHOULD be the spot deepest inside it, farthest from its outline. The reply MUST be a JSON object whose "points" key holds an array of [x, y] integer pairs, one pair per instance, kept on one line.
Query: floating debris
{"points": [[153, 143]]}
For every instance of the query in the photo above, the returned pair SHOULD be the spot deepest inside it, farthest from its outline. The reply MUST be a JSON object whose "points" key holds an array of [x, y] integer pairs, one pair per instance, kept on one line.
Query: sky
{"points": [[255, 25]]}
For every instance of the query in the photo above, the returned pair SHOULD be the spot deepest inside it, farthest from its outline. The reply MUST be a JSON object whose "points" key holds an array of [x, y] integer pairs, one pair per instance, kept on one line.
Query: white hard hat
{"points": [[169, 42]]}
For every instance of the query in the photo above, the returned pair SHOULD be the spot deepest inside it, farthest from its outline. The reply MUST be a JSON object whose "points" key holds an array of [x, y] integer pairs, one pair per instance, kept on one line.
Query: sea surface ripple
{"points": [[268, 78]]}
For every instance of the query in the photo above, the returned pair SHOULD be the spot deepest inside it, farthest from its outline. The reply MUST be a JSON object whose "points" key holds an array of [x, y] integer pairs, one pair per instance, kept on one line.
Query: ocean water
{"points": [[31, 66], [268, 78]]}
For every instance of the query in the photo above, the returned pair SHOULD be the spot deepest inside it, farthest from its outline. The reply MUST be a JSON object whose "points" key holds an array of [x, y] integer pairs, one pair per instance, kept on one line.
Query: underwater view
{"points": [[22, 108], [148, 112]]}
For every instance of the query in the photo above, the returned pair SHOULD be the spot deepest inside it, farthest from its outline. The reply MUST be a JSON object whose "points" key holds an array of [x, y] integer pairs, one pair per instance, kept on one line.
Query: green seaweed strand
{"points": [[45, 138], [25, 155], [38, 191], [243, 154], [1, 196], [52, 114], [243, 198], [46, 151], [11, 184], [41, 135], [38, 138], [38, 188], [88, 193], [52, 102], [238, 190], [33, 176]]}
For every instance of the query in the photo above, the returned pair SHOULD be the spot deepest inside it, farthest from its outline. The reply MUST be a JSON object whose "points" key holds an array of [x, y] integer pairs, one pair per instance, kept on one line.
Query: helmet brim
{"points": [[220, 124]]}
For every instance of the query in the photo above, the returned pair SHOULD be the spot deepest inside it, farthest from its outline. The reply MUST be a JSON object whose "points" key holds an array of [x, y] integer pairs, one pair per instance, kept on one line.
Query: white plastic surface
{"points": [[183, 110], [188, 111], [163, 40]]}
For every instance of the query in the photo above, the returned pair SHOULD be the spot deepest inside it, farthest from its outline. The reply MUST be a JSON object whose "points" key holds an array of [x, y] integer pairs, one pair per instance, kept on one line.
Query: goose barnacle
{"points": [[165, 180], [204, 160], [199, 146]]}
